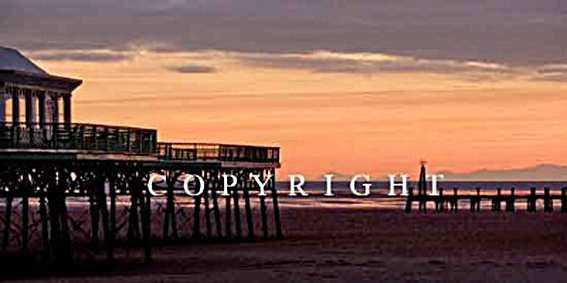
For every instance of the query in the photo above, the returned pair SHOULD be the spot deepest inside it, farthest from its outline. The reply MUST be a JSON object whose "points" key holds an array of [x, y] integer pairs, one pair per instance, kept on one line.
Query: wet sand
{"points": [[369, 245]]}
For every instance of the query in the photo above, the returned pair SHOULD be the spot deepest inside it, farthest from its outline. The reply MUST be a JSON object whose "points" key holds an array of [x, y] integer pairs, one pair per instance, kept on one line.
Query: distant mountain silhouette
{"points": [[337, 176], [541, 172]]}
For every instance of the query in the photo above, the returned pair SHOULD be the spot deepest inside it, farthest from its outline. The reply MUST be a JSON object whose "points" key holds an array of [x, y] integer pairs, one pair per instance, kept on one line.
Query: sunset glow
{"points": [[373, 121]]}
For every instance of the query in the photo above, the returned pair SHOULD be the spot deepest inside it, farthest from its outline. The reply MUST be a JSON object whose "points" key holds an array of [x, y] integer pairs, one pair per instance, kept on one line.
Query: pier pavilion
{"points": [[67, 187]]}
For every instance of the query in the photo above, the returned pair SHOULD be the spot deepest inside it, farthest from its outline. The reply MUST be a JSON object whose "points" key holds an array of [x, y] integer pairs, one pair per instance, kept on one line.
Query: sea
{"points": [[344, 198], [378, 197]]}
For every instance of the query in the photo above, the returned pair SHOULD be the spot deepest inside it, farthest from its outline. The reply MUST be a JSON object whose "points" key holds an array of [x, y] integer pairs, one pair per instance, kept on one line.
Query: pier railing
{"points": [[217, 152], [117, 139], [77, 136]]}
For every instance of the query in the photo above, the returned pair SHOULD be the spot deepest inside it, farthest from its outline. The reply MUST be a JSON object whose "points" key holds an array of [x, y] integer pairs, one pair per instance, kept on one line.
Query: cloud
{"points": [[552, 73], [320, 61], [81, 55], [192, 69], [522, 32], [542, 172], [331, 62]]}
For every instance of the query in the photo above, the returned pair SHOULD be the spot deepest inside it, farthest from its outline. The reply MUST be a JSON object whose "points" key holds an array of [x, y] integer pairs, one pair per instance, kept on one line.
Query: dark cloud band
{"points": [[514, 32]]}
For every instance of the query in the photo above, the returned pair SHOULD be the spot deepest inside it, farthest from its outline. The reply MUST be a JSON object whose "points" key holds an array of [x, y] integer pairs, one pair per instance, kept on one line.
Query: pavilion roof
{"points": [[15, 67], [13, 60]]}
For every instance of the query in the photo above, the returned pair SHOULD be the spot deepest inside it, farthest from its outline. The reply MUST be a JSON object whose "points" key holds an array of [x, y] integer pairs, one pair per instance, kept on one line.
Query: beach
{"points": [[326, 244]]}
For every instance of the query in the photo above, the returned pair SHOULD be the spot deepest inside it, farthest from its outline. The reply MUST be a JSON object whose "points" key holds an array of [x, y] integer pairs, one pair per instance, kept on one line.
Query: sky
{"points": [[358, 86]]}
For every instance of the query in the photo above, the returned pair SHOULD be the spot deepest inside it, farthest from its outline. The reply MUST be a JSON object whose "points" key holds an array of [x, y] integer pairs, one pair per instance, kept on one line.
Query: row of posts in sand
{"points": [[444, 202]]}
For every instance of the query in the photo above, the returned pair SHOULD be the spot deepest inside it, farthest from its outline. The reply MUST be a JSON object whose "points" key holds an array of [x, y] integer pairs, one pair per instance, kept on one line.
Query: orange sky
{"points": [[349, 122]]}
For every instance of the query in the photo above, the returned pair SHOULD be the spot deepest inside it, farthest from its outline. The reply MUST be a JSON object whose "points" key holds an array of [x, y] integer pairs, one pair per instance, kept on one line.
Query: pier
{"points": [[75, 190]]}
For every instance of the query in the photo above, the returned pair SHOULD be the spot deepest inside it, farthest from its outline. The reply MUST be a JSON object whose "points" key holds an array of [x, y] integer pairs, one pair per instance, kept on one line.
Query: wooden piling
{"points": [[197, 217], [248, 208], [455, 201], [25, 189], [237, 224], [54, 218], [532, 200], [263, 215], [510, 201], [473, 204], [213, 187], [133, 233], [169, 217], [44, 223], [422, 202], [275, 203], [208, 224], [112, 215], [95, 215], [496, 200], [105, 220], [65, 239], [145, 213], [7, 221], [438, 201], [228, 216]]}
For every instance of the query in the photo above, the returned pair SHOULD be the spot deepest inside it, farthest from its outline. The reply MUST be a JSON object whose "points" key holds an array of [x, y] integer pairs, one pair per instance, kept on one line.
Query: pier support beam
{"points": [[169, 217], [228, 216], [208, 223], [213, 186], [237, 224], [197, 217], [95, 215], [275, 203], [146, 214], [248, 207], [134, 217], [103, 205], [263, 215], [7, 221], [25, 187]]}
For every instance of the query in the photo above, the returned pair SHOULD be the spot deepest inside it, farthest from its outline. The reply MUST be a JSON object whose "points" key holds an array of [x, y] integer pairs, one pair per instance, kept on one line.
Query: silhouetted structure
{"points": [[496, 200], [69, 185], [440, 201]]}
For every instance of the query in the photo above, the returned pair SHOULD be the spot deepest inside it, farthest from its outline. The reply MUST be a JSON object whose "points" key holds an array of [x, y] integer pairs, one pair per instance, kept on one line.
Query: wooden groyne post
{"points": [[511, 200], [531, 202], [496, 200], [547, 201]]}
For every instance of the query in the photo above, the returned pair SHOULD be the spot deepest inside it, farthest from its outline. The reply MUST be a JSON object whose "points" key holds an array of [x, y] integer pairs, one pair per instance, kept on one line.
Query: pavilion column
{"points": [[67, 108], [55, 110], [30, 115], [2, 104], [15, 105], [41, 100]]}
